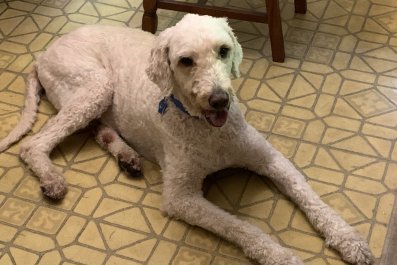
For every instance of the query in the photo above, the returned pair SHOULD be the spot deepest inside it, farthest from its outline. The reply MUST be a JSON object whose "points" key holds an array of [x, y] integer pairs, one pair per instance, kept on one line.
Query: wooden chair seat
{"points": [[271, 17]]}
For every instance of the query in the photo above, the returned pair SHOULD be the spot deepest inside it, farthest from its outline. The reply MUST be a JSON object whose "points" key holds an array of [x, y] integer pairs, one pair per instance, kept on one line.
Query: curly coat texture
{"points": [[119, 75]]}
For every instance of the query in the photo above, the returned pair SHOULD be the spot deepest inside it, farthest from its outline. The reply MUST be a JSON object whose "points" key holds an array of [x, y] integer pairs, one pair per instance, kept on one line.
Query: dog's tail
{"points": [[29, 112]]}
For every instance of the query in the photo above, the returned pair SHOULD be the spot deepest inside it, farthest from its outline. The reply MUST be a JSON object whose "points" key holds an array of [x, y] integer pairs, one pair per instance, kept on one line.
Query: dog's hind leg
{"points": [[94, 98], [128, 159]]}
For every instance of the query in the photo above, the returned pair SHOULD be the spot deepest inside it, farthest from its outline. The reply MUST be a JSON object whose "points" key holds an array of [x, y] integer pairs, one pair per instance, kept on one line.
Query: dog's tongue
{"points": [[216, 118]]}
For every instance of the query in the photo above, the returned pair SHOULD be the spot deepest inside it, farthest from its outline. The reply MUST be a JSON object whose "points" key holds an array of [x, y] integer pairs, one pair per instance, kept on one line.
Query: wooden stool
{"points": [[271, 17]]}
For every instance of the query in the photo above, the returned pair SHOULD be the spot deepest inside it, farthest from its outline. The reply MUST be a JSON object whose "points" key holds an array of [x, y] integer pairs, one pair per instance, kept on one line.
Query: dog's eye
{"points": [[223, 52], [186, 61]]}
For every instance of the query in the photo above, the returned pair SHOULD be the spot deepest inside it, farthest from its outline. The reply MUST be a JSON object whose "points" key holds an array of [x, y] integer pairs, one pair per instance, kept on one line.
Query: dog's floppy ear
{"points": [[159, 70], [237, 51], [237, 56]]}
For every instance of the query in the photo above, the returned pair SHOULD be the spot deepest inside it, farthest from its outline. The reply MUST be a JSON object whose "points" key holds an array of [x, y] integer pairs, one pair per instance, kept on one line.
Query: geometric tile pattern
{"points": [[330, 108]]}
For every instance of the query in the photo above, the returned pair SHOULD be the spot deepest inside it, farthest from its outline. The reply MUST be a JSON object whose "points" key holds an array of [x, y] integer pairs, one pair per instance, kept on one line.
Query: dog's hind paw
{"points": [[54, 190], [132, 168]]}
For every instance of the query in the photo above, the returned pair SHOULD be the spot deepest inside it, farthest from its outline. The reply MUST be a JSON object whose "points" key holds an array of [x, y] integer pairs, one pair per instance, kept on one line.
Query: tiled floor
{"points": [[330, 108]]}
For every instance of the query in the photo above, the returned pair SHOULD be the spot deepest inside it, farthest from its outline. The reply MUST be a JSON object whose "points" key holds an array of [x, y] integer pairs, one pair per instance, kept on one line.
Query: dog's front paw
{"points": [[55, 189], [289, 260], [131, 166], [279, 256], [357, 252], [354, 249]]}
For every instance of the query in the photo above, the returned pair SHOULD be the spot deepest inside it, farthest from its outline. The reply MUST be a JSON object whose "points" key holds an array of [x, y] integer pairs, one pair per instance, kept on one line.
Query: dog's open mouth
{"points": [[216, 118]]}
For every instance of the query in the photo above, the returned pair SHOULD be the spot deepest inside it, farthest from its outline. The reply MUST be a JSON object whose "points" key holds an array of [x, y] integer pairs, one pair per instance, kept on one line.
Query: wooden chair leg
{"points": [[149, 19], [300, 6], [275, 30]]}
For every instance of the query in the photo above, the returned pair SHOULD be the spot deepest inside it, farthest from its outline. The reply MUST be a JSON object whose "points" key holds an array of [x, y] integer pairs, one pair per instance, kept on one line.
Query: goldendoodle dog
{"points": [[169, 99]]}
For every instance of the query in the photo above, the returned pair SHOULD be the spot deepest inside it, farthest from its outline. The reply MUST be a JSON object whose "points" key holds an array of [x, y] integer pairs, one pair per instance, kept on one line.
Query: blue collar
{"points": [[163, 105]]}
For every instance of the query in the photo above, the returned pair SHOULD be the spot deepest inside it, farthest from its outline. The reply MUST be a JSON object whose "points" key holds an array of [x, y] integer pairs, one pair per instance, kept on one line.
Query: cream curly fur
{"points": [[119, 75]]}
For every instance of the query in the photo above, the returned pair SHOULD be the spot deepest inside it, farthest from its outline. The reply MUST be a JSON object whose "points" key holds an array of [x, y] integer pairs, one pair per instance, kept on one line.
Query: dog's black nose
{"points": [[219, 99]]}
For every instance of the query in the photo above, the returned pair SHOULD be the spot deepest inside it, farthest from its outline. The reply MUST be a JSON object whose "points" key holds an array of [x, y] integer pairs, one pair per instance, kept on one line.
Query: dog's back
{"points": [[118, 51]]}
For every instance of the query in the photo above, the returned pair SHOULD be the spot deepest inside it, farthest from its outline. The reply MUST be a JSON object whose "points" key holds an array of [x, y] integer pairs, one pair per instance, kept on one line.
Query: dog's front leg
{"points": [[262, 158], [183, 199]]}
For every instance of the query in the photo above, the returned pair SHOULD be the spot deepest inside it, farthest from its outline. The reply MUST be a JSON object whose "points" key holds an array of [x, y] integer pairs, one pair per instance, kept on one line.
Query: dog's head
{"points": [[194, 60]]}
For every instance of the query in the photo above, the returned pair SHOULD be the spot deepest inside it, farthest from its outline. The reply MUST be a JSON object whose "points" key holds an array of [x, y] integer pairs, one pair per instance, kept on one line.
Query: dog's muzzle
{"points": [[219, 101]]}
